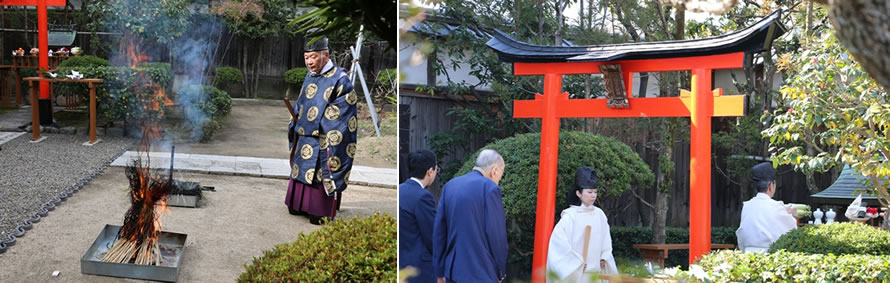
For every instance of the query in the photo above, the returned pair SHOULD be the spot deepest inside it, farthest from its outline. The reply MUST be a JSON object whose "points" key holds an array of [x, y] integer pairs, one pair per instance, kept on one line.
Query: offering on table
{"points": [[803, 210], [21, 52], [62, 51], [34, 51], [76, 50]]}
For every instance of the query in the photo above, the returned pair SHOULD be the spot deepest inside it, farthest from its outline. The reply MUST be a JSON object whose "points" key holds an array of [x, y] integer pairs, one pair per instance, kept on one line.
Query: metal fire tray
{"points": [[185, 194], [168, 271], [183, 200]]}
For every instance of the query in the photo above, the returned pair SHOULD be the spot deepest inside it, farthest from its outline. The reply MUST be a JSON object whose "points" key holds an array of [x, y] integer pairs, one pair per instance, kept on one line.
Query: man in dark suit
{"points": [[470, 234], [417, 210]]}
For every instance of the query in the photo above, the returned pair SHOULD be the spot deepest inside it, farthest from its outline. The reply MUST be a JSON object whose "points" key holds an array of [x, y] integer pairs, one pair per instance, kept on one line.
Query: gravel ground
{"points": [[33, 174]]}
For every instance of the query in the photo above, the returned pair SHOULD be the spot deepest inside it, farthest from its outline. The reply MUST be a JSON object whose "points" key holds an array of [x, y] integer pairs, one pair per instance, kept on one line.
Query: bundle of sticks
{"points": [[138, 238]]}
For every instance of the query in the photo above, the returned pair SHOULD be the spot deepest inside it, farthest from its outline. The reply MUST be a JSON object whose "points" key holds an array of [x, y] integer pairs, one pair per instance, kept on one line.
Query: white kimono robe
{"points": [[764, 220], [564, 256]]}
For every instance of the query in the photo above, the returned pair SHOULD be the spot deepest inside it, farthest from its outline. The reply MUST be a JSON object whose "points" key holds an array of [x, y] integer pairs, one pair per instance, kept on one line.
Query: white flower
{"points": [[698, 272]]}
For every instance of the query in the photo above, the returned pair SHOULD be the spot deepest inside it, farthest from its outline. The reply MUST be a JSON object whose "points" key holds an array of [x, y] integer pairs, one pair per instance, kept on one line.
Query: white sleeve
{"points": [[562, 259], [611, 267]]}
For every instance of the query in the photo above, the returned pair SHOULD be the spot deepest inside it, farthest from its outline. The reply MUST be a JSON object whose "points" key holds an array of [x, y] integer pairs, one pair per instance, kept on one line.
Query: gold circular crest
{"points": [[323, 143], [318, 175], [335, 137], [312, 113], [340, 90], [352, 124], [306, 151], [334, 162], [315, 133], [331, 73], [346, 178], [327, 93], [328, 185], [300, 131], [351, 98], [350, 150], [311, 89], [295, 172], [309, 174], [332, 112]]}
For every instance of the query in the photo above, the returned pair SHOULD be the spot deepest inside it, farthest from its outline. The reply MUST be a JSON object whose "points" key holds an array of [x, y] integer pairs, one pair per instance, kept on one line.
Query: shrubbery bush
{"points": [[835, 238], [623, 239], [783, 266], [213, 102], [618, 168], [346, 250], [87, 65], [295, 76], [227, 75]]}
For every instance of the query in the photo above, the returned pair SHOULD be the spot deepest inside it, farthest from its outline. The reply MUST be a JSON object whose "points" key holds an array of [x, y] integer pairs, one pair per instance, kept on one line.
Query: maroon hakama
{"points": [[311, 199]]}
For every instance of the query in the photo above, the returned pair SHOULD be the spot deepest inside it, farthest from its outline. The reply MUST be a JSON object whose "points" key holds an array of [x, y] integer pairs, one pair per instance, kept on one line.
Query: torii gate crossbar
{"points": [[700, 105]]}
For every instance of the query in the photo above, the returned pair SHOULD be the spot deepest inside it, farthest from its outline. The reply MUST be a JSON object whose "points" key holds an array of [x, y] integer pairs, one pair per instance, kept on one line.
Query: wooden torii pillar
{"points": [[700, 105], [42, 38]]}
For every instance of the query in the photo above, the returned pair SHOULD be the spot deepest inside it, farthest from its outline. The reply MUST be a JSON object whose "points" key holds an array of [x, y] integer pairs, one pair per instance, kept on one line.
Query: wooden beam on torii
{"points": [[702, 57], [42, 37]]}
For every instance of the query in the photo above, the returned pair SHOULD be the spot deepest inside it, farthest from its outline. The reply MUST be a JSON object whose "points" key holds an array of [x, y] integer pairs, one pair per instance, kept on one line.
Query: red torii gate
{"points": [[42, 38], [702, 56]]}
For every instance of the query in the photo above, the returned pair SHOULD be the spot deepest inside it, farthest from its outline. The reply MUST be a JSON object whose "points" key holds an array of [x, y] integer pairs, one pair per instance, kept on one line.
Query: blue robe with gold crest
{"points": [[323, 137]]}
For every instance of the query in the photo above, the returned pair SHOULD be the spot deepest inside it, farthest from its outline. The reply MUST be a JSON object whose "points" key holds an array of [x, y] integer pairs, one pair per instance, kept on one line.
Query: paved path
{"points": [[253, 166], [8, 136]]}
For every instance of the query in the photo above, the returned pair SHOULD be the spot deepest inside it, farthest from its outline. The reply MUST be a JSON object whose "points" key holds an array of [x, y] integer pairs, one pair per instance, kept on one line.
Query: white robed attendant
{"points": [[566, 252], [764, 220]]}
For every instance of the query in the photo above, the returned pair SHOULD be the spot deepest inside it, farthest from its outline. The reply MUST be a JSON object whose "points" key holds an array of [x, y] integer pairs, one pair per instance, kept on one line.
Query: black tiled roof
{"points": [[842, 190], [755, 38]]}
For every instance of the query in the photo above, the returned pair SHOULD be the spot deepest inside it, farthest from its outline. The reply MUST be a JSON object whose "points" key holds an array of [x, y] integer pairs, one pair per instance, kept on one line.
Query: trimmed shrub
{"points": [[783, 266], [87, 65], [617, 166], [835, 238], [83, 61], [209, 129], [212, 102], [128, 89], [227, 75], [295, 76], [623, 239], [346, 250]]}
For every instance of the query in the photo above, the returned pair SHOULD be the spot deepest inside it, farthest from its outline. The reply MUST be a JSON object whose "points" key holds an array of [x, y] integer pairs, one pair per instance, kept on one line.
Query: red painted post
{"points": [[700, 165], [43, 45], [546, 204]]}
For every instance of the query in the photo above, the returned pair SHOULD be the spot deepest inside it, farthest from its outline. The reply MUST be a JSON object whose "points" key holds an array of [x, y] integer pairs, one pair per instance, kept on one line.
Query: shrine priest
{"points": [[764, 220], [580, 245], [321, 136]]}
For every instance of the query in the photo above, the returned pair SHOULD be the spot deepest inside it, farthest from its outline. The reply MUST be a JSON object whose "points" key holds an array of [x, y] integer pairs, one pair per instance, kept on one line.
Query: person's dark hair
{"points": [[761, 186], [585, 178], [419, 162]]}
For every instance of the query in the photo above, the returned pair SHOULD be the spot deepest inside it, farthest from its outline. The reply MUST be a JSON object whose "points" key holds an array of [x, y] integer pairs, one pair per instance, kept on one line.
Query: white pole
{"points": [[361, 76]]}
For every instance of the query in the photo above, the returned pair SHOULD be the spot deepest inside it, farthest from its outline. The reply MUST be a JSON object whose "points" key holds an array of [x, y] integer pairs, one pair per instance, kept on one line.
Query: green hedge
{"points": [[835, 238], [783, 266], [124, 89], [78, 89], [227, 75], [353, 250], [618, 168], [295, 76], [623, 239], [83, 61]]}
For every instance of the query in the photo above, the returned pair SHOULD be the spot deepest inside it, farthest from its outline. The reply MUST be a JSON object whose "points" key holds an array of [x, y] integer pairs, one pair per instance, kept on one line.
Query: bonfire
{"points": [[138, 238], [137, 241]]}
